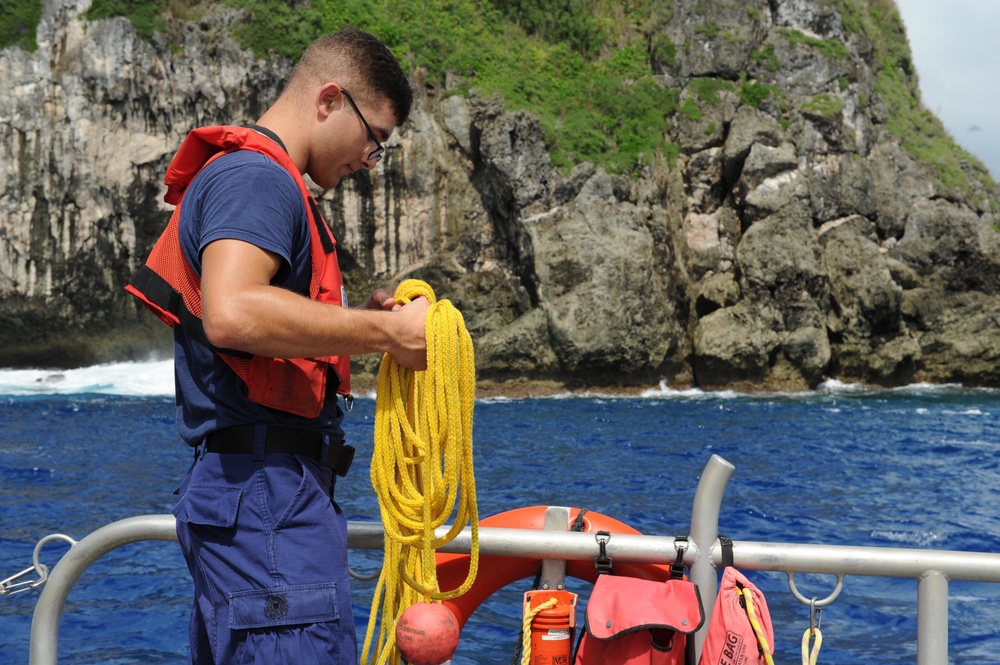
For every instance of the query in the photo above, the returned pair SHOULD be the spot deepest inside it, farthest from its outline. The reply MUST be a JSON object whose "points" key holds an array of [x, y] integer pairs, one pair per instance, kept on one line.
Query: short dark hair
{"points": [[359, 61]]}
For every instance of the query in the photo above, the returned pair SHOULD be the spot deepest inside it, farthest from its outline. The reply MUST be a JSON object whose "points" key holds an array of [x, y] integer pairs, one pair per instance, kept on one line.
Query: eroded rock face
{"points": [[788, 242]]}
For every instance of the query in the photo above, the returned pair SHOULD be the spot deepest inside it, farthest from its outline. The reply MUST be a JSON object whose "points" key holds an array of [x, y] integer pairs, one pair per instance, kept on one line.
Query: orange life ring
{"points": [[496, 572]]}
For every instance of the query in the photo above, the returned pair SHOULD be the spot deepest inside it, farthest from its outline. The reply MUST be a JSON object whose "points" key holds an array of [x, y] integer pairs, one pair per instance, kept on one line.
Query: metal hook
{"points": [[815, 616], [603, 560], [817, 603]]}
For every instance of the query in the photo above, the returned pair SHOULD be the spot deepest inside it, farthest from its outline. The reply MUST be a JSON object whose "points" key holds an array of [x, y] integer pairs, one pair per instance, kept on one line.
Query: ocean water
{"points": [[915, 467]]}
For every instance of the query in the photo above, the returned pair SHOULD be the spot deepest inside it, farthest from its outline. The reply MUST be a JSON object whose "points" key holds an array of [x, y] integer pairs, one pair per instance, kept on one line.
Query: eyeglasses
{"points": [[376, 154]]}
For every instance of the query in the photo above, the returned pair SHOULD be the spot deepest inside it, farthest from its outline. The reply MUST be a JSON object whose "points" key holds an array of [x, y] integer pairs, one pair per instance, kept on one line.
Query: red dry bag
{"points": [[740, 631]]}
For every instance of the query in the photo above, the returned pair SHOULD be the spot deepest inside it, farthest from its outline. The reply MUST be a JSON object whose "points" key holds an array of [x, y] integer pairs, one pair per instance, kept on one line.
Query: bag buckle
{"points": [[677, 567], [603, 561]]}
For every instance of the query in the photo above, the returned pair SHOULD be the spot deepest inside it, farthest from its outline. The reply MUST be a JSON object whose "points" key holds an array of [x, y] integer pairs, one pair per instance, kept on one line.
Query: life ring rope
{"points": [[529, 616], [422, 468]]}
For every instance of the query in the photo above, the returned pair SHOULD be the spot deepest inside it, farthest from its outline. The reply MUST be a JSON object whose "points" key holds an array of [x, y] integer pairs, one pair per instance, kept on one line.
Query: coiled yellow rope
{"points": [[422, 467], [757, 629]]}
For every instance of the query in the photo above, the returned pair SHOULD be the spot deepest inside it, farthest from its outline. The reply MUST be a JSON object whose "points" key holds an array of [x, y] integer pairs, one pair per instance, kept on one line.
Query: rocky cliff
{"points": [[793, 238]]}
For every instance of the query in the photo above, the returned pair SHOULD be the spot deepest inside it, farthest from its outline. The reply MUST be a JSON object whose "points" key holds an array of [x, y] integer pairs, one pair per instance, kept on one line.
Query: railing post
{"points": [[44, 646], [704, 533], [554, 570], [932, 619]]}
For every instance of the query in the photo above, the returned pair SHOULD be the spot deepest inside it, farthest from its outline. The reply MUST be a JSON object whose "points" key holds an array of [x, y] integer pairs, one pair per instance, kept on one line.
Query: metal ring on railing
{"points": [[41, 543], [12, 585], [812, 602]]}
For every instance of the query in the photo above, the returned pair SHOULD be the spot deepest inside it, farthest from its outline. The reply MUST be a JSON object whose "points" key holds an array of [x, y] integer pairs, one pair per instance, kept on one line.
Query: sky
{"points": [[956, 48]]}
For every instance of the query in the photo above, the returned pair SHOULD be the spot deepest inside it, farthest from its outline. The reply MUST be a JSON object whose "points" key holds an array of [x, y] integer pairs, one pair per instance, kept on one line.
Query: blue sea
{"points": [[916, 467]]}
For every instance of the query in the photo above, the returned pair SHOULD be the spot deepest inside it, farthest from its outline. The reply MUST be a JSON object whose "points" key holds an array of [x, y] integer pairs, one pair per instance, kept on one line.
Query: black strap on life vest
{"points": [[324, 233], [269, 134], [324, 237], [159, 290]]}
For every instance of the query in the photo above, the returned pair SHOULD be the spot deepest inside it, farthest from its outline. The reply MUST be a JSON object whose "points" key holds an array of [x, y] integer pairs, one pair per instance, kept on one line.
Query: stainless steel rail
{"points": [[931, 568]]}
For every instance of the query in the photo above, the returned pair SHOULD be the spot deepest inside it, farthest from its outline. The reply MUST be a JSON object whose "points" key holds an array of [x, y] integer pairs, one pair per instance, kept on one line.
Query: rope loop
{"points": [[810, 657]]}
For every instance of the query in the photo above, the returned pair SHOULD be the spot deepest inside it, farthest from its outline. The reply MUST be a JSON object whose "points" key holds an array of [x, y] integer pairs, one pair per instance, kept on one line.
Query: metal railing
{"points": [[931, 568]]}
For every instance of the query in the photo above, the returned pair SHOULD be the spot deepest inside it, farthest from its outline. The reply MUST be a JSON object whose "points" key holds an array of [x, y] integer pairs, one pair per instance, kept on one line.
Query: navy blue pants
{"points": [[267, 549]]}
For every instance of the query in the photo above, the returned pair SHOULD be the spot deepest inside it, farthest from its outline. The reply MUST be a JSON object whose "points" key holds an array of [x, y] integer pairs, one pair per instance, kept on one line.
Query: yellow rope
{"points": [[807, 657], [529, 616], [422, 468], [757, 630]]}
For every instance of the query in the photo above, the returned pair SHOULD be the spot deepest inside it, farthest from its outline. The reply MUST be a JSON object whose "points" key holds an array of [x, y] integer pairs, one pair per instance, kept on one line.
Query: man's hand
{"points": [[382, 300], [409, 328], [411, 344]]}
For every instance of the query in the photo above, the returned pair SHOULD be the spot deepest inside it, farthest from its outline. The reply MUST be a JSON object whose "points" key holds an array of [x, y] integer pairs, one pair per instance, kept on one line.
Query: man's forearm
{"points": [[274, 322]]}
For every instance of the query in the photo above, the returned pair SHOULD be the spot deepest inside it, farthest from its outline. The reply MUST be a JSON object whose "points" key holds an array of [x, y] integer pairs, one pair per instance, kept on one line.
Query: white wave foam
{"points": [[920, 539], [966, 412], [146, 379], [829, 388], [156, 378], [836, 387], [663, 391], [924, 387]]}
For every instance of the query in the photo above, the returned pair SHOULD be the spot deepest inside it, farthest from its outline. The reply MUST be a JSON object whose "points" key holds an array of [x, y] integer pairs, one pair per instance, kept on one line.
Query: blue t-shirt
{"points": [[245, 196]]}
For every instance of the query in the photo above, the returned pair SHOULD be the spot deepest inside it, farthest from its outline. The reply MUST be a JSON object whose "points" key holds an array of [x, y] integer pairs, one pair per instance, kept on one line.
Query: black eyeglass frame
{"points": [[376, 154]]}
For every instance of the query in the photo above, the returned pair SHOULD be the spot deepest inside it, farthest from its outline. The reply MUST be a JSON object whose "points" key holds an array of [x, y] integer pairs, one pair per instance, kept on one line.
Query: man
{"points": [[247, 274]]}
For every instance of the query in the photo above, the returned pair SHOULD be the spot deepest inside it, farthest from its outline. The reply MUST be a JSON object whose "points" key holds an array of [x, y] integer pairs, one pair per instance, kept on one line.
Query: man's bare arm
{"points": [[243, 311]]}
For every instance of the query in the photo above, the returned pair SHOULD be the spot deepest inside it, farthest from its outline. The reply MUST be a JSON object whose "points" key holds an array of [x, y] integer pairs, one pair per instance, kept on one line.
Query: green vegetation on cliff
{"points": [[917, 129], [584, 67], [596, 103], [18, 20], [146, 15]]}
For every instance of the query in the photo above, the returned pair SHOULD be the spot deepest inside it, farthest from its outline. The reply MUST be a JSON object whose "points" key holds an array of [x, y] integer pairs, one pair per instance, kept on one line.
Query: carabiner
{"points": [[11, 585]]}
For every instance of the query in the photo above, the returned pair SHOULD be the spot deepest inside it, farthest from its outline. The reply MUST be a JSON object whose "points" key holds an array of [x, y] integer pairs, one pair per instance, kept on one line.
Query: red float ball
{"points": [[427, 634]]}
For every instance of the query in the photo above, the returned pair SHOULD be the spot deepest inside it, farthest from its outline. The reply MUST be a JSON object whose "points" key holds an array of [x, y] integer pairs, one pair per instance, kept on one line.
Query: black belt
{"points": [[278, 439]]}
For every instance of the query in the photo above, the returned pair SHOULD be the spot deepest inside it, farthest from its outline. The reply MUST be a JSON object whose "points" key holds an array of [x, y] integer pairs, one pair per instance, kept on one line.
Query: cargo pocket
{"points": [[283, 606], [209, 506]]}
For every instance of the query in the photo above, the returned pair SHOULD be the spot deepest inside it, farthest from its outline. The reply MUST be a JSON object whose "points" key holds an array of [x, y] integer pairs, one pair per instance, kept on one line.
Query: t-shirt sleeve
{"points": [[246, 197]]}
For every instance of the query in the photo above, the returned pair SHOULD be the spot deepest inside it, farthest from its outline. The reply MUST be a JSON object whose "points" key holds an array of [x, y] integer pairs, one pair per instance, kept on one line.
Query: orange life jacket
{"points": [[170, 287]]}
